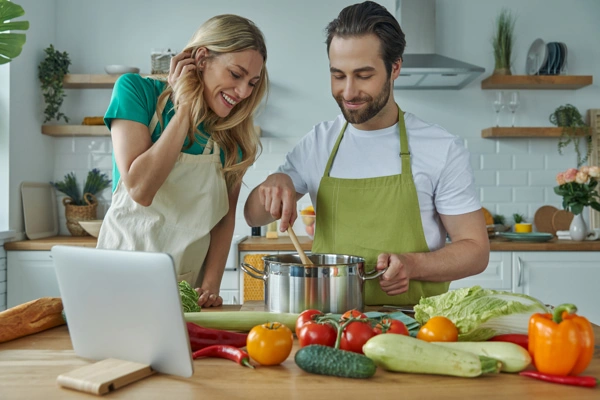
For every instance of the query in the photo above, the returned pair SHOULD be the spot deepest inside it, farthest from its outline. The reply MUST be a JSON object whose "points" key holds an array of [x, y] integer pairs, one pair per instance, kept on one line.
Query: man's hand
{"points": [[278, 197], [395, 280]]}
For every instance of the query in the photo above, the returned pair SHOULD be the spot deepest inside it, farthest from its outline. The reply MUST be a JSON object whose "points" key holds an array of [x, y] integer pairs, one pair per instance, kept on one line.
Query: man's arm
{"points": [[273, 199], [467, 255]]}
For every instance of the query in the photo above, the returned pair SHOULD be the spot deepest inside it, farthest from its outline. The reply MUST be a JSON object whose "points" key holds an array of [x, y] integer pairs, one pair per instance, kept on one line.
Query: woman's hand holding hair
{"points": [[181, 64]]}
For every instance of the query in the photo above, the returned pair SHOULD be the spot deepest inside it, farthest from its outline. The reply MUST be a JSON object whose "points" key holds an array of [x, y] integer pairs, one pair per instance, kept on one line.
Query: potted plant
{"points": [[51, 73], [569, 118], [520, 225], [78, 207], [503, 41], [11, 43]]}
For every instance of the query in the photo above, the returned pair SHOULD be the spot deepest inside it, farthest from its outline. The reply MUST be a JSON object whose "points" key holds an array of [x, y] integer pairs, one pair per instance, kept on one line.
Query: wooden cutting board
{"points": [[543, 219], [561, 220]]}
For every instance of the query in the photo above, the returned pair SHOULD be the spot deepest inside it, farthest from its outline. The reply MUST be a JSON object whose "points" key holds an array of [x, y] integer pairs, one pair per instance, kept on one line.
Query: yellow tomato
{"points": [[438, 329], [270, 343]]}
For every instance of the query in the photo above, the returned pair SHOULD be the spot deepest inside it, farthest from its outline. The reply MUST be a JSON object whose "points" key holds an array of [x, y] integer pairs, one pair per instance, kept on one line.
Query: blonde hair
{"points": [[224, 34]]}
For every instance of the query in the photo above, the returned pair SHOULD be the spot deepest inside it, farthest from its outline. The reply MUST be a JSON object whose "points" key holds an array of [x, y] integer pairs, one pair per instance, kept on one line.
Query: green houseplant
{"points": [[51, 72], [569, 118], [11, 44], [503, 41], [78, 207]]}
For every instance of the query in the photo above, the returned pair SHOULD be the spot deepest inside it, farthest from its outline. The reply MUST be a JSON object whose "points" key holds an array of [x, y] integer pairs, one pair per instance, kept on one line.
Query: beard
{"points": [[372, 109]]}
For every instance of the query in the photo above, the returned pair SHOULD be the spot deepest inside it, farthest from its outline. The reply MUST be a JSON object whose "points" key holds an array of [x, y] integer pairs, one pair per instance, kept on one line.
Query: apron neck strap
{"points": [[404, 151]]}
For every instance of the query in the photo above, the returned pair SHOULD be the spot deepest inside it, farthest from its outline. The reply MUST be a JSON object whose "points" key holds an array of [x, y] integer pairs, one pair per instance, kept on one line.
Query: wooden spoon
{"points": [[301, 253]]}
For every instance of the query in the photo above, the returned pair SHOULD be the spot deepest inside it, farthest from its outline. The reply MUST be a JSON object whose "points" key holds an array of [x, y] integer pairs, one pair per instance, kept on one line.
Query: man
{"points": [[386, 185]]}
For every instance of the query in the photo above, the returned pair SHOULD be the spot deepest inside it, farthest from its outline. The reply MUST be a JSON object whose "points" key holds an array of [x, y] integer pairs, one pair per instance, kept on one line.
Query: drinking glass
{"points": [[513, 104], [498, 105]]}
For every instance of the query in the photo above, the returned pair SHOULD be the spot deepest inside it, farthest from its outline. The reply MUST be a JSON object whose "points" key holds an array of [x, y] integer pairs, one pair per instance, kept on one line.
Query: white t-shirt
{"points": [[440, 166]]}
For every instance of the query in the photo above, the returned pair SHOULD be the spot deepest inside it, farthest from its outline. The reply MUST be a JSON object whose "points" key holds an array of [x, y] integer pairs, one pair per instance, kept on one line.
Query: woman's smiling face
{"points": [[230, 78]]}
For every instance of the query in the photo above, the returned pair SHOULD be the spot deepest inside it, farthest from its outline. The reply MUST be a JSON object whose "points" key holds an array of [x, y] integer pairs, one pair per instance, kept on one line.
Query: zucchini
{"points": [[239, 320], [324, 360], [402, 353], [513, 357]]}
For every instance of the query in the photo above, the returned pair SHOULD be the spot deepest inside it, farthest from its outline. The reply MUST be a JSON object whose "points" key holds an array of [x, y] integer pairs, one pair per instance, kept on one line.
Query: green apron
{"points": [[367, 217]]}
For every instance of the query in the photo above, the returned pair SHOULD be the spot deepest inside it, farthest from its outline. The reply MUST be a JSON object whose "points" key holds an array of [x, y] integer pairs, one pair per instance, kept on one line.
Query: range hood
{"points": [[422, 68]]}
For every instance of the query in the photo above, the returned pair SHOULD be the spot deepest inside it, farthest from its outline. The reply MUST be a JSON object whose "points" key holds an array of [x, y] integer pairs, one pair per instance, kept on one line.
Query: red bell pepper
{"points": [[203, 337], [227, 352], [516, 338]]}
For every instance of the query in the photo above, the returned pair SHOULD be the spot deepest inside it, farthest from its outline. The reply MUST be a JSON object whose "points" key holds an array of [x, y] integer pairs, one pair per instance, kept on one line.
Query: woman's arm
{"points": [[144, 166], [214, 263]]}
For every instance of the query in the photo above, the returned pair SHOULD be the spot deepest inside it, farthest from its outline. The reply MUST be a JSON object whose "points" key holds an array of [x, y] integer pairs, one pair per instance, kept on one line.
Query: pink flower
{"points": [[594, 172], [560, 178], [570, 175], [581, 177]]}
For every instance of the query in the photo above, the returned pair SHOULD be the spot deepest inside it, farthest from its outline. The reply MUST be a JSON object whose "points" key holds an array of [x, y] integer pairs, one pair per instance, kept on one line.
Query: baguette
{"points": [[31, 317]]}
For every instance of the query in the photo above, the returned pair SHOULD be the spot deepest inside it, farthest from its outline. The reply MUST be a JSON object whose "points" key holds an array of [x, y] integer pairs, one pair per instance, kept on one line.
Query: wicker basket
{"points": [[75, 213]]}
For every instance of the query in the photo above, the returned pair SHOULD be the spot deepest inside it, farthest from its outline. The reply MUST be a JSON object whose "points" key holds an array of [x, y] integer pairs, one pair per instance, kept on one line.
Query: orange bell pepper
{"points": [[561, 343]]}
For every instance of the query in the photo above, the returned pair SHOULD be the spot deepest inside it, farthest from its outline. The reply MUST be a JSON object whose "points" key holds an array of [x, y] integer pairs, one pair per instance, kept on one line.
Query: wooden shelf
{"points": [[75, 130], [91, 81], [536, 82], [527, 132]]}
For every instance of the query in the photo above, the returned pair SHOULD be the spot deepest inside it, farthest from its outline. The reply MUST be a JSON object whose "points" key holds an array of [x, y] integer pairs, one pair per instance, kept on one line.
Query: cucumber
{"points": [[323, 360], [513, 357], [402, 353]]}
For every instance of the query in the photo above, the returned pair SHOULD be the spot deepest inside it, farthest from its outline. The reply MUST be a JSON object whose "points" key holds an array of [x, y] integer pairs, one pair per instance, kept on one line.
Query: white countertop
{"points": [[6, 235]]}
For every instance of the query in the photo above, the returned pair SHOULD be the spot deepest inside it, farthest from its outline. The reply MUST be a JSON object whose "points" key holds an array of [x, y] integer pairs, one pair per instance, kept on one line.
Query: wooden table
{"points": [[29, 367]]}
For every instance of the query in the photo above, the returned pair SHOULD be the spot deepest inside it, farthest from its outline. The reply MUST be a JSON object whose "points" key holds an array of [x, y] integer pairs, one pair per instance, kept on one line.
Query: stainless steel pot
{"points": [[333, 284]]}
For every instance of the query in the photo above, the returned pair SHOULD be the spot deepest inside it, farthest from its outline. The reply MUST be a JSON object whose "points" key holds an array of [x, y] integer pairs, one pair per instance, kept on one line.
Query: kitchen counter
{"points": [[284, 243], [29, 367]]}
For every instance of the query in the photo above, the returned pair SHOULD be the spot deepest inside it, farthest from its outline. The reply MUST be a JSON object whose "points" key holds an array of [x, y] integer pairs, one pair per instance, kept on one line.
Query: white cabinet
{"points": [[497, 275], [30, 276], [560, 277]]}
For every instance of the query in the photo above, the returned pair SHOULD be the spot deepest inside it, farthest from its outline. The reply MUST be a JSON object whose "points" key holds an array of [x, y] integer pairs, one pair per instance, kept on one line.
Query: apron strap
{"points": [[404, 150]]}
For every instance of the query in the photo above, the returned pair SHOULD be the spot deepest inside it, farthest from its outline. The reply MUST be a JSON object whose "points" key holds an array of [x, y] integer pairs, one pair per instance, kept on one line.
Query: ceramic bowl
{"points": [[92, 226], [120, 69]]}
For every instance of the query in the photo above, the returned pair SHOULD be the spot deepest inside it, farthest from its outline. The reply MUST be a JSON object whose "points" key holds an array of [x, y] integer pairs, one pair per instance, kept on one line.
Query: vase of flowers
{"points": [[578, 190]]}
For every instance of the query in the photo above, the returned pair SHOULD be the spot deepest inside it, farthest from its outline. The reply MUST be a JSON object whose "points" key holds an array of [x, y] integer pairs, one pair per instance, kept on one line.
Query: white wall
{"points": [[513, 175], [31, 155]]}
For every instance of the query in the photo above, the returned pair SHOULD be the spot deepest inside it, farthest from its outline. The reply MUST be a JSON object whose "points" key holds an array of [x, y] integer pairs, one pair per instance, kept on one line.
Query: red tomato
{"points": [[352, 313], [355, 335], [315, 333], [304, 317], [390, 325]]}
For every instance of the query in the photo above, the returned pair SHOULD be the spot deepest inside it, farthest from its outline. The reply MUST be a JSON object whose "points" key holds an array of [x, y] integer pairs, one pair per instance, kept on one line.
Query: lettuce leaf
{"points": [[481, 313]]}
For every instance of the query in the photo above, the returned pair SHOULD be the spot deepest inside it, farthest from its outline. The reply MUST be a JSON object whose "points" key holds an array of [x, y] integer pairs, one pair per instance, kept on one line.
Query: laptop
{"points": [[124, 305]]}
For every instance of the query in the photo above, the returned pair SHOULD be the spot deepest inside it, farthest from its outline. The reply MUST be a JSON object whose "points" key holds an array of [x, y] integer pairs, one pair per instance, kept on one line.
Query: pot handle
{"points": [[253, 272], [373, 274]]}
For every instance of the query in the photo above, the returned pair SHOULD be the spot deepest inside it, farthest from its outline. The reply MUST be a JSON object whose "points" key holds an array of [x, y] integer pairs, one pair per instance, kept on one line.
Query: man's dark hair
{"points": [[370, 18]]}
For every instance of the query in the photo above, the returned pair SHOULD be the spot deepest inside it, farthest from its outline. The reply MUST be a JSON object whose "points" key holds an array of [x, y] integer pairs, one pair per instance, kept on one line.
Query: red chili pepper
{"points": [[225, 351], [586, 381], [516, 338], [203, 337]]}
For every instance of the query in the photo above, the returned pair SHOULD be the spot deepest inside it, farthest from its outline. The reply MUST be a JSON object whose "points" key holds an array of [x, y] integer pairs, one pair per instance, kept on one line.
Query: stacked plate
{"points": [[546, 58]]}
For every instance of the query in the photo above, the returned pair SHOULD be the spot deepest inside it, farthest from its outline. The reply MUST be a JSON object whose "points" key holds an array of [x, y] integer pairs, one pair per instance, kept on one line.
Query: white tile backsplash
{"points": [[512, 175]]}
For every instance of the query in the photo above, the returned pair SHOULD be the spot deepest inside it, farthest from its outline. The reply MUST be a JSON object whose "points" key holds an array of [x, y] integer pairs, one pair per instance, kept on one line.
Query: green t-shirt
{"points": [[134, 98]]}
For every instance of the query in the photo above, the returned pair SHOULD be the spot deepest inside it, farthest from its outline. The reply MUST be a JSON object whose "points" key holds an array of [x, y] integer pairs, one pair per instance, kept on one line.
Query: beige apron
{"points": [[187, 206]]}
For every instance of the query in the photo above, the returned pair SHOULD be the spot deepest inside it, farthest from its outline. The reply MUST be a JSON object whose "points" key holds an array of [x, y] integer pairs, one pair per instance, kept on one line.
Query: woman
{"points": [[181, 149]]}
